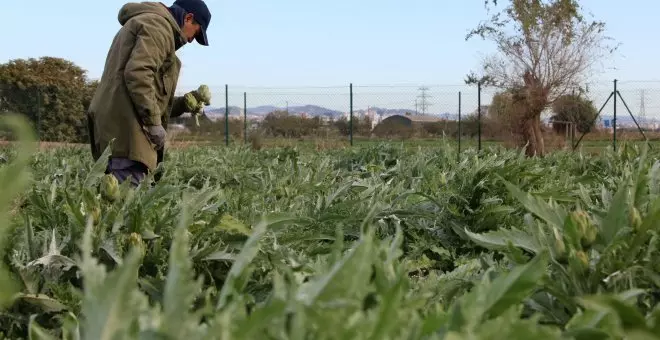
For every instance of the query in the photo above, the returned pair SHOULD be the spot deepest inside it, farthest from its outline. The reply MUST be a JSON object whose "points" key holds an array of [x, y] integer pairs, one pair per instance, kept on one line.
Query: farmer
{"points": [[135, 96]]}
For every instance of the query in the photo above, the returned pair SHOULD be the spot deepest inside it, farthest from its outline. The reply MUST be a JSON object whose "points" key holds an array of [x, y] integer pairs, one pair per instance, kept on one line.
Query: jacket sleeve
{"points": [[149, 52], [178, 107]]}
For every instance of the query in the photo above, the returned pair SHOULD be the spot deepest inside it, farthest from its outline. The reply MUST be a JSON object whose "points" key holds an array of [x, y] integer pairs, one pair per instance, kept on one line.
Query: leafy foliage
{"points": [[53, 92], [575, 109], [371, 243], [545, 49]]}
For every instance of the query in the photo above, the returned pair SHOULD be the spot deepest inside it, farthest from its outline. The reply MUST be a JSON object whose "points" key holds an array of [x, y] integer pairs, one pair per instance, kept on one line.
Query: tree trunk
{"points": [[540, 144], [533, 137], [529, 137]]}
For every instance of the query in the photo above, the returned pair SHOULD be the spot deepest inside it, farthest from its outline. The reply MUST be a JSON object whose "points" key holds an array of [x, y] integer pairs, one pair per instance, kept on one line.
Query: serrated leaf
{"points": [[241, 262], [553, 215], [98, 169], [108, 303], [180, 289], [346, 277], [42, 302], [500, 239], [231, 224], [630, 317], [617, 216], [491, 299]]}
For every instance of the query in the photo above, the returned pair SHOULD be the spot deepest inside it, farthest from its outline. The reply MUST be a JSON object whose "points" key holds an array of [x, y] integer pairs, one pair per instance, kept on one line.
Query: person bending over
{"points": [[135, 95]]}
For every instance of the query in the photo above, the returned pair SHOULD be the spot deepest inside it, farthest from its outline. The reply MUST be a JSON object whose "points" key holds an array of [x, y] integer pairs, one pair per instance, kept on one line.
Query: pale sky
{"points": [[306, 44]]}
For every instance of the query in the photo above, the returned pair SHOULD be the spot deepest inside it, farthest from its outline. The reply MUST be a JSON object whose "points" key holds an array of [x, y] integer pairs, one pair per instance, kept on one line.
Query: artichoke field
{"points": [[380, 242]]}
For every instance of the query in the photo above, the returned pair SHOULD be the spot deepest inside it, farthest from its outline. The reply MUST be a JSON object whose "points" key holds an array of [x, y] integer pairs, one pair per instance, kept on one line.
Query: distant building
{"points": [[411, 120], [404, 125]]}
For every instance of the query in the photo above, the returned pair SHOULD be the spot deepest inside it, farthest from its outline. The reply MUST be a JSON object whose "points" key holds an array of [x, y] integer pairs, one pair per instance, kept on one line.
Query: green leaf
{"points": [[552, 214], [242, 261], [70, 327], [502, 238], [388, 310], [14, 177], [260, 319], [44, 303], [231, 224], [98, 169], [109, 300], [631, 318], [490, 299], [346, 278], [617, 216], [180, 289], [36, 332]]}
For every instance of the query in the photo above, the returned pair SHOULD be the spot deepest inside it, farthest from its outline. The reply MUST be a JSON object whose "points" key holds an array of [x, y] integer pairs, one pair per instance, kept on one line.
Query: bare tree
{"points": [[545, 49]]}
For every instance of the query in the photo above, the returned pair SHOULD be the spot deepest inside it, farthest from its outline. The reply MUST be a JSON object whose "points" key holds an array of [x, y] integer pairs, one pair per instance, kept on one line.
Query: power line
{"points": [[423, 104]]}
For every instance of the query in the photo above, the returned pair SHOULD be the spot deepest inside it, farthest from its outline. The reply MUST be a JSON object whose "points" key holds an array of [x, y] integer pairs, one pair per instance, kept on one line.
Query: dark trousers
{"points": [[124, 169]]}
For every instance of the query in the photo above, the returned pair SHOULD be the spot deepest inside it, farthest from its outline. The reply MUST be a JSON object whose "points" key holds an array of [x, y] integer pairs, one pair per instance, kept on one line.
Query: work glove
{"points": [[157, 135], [196, 100]]}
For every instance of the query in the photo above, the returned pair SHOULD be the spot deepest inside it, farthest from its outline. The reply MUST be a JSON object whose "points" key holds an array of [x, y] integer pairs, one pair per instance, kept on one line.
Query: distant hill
{"points": [[310, 110], [220, 111], [262, 110], [314, 111]]}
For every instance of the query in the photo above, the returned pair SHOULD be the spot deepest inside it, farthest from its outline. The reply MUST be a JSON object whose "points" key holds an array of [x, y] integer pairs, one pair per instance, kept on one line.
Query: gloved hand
{"points": [[157, 135], [197, 99]]}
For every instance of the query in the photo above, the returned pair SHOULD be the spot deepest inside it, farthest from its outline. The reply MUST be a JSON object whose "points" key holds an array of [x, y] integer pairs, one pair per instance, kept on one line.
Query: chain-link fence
{"points": [[359, 114], [337, 115], [356, 114], [628, 113]]}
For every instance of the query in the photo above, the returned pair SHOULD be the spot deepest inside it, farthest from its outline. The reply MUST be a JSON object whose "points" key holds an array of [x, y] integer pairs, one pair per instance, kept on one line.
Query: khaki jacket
{"points": [[138, 83]]}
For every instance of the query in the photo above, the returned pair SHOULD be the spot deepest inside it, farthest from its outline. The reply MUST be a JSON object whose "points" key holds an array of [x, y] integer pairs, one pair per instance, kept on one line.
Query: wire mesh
{"points": [[635, 109], [293, 115]]}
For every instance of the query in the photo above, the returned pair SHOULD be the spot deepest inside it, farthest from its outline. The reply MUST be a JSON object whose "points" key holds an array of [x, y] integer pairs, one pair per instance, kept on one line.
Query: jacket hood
{"points": [[133, 9]]}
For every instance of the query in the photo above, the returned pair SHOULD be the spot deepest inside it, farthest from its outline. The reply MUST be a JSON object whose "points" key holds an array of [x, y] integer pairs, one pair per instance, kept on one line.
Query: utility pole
{"points": [[642, 105], [423, 99]]}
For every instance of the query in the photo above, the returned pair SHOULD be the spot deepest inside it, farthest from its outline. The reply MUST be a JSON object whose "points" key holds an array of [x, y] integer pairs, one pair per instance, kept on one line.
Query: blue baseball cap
{"points": [[201, 14]]}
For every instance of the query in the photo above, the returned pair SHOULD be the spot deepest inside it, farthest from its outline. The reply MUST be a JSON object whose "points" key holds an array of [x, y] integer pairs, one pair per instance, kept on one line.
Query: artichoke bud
{"points": [[560, 246], [635, 218], [583, 259], [191, 102], [95, 211], [109, 188], [204, 95], [589, 236], [135, 241], [586, 229]]}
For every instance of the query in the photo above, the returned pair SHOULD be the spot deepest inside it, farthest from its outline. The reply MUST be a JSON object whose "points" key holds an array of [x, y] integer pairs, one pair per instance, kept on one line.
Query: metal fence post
{"points": [[479, 113], [614, 120], [226, 115], [245, 127], [460, 132], [350, 131]]}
